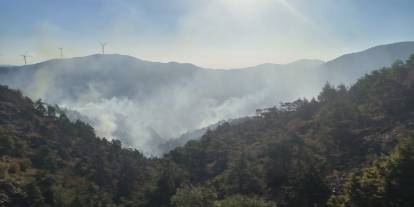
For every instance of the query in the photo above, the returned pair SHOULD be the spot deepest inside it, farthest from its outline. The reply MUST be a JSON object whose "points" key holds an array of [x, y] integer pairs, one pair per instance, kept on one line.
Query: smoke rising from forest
{"points": [[158, 103], [145, 103]]}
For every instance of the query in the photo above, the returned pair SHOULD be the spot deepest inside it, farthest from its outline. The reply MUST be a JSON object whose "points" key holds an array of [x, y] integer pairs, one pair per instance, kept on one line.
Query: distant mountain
{"points": [[345, 69], [299, 64], [350, 147], [110, 75], [143, 103], [348, 68]]}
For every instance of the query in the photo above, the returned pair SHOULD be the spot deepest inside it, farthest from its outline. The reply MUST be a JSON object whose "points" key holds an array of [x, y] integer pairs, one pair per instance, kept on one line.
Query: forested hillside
{"points": [[138, 101], [347, 147], [303, 153], [46, 160]]}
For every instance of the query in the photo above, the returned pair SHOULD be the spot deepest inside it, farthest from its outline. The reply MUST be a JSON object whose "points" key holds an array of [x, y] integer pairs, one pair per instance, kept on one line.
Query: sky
{"points": [[209, 33]]}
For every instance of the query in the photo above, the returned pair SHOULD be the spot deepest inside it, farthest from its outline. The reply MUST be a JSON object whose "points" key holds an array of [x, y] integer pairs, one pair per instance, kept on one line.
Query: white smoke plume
{"points": [[146, 103]]}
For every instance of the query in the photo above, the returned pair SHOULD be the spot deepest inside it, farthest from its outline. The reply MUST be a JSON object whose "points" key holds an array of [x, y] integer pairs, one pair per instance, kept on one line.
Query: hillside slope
{"points": [[348, 68], [347, 147], [139, 101], [46, 160], [300, 154]]}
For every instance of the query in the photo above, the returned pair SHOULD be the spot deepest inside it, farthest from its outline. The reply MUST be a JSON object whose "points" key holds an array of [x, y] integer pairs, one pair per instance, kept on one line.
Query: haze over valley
{"points": [[206, 103], [146, 103]]}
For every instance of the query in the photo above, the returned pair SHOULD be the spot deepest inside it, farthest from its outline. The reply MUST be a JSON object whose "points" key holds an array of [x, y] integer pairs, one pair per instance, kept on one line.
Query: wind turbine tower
{"points": [[61, 52], [25, 56], [103, 47]]}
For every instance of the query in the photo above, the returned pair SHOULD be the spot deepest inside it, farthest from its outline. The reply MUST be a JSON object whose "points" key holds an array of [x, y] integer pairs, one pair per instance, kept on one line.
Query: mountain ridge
{"points": [[133, 99], [390, 46], [349, 147], [382, 46]]}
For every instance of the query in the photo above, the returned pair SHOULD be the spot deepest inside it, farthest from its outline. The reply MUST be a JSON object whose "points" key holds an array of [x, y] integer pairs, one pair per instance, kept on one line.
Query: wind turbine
{"points": [[60, 52], [103, 46], [25, 56]]}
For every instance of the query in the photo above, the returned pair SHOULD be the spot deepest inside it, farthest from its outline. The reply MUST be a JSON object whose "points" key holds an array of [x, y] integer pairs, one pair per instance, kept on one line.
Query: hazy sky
{"points": [[209, 33]]}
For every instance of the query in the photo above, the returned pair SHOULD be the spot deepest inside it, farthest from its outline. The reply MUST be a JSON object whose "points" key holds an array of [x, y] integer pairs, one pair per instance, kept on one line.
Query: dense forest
{"points": [[348, 147]]}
